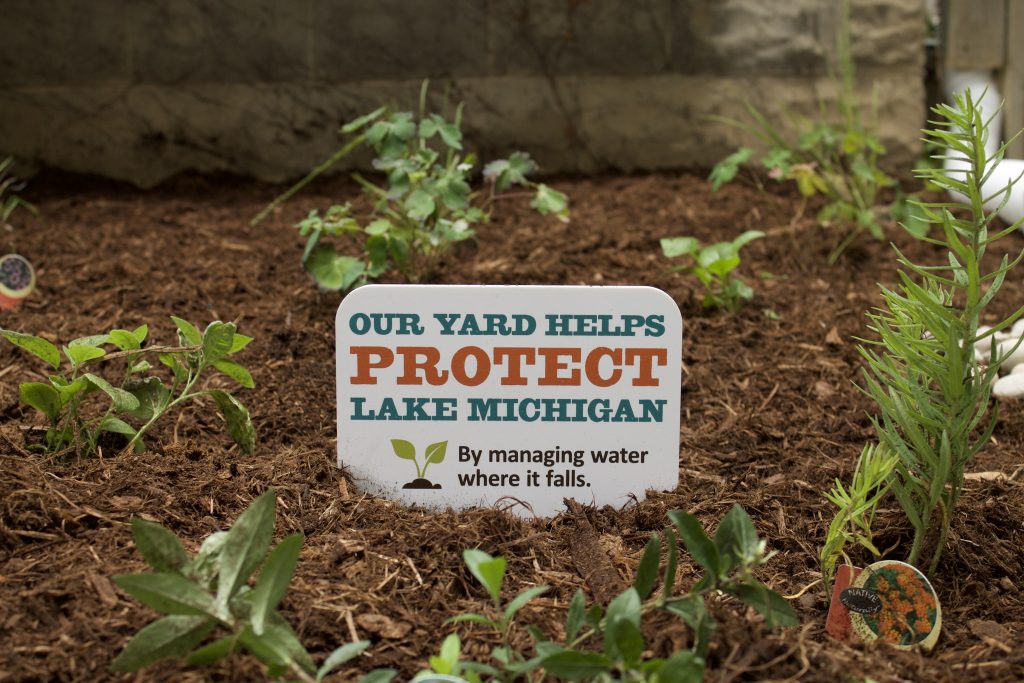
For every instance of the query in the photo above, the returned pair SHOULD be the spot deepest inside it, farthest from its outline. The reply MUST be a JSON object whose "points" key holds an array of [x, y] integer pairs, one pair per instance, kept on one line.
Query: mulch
{"points": [[770, 417]]}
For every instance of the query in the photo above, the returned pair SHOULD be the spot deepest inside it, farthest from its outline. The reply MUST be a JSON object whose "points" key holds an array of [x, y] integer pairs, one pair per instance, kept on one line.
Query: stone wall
{"points": [[141, 90]]}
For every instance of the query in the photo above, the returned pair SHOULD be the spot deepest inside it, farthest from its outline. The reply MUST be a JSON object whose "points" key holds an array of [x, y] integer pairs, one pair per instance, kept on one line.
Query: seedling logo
{"points": [[433, 455]]}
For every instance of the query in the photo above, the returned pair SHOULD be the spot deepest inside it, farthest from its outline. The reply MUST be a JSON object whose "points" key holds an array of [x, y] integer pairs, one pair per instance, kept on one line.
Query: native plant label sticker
{"points": [[471, 395]]}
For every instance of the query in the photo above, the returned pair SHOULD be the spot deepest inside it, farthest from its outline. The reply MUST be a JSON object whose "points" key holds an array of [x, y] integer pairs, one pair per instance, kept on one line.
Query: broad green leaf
{"points": [[116, 425], [576, 666], [83, 354], [159, 546], [274, 578], [340, 656], [726, 169], [214, 652], [682, 667], [623, 640], [575, 615], [235, 372], [332, 270], [152, 396], [489, 571], [518, 602], [626, 605], [124, 340], [403, 449], [696, 541], [238, 421], [37, 346], [379, 676], [67, 390], [419, 204], [245, 545], [42, 397], [448, 657], [188, 332], [168, 593], [746, 238], [171, 636], [91, 340], [238, 342], [435, 452], [548, 200], [141, 366], [179, 370], [217, 340], [679, 246], [772, 606], [140, 333], [647, 571], [736, 537], [280, 643], [123, 401]]}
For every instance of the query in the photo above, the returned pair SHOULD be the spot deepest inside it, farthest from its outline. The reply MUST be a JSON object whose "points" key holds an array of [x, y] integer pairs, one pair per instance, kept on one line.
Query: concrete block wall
{"points": [[143, 90]]}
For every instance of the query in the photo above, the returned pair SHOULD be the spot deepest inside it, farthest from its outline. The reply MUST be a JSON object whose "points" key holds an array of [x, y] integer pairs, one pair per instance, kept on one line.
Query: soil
{"points": [[770, 418]]}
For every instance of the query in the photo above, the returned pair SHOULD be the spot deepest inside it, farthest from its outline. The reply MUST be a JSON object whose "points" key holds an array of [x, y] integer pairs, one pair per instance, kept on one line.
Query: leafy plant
{"points": [[425, 205], [836, 158], [433, 455], [931, 392], [614, 635], [855, 507], [714, 265], [140, 394], [9, 184], [210, 593]]}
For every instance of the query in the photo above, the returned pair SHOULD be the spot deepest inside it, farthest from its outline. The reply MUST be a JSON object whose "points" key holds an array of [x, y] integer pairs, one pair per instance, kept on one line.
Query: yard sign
{"points": [[467, 396]]}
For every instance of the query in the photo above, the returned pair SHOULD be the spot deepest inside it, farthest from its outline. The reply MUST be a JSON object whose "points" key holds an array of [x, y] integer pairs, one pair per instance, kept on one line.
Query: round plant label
{"points": [[520, 396], [893, 602], [17, 277]]}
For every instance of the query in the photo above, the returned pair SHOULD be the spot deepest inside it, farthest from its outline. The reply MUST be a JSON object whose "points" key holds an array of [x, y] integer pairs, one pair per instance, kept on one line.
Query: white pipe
{"points": [[982, 84]]}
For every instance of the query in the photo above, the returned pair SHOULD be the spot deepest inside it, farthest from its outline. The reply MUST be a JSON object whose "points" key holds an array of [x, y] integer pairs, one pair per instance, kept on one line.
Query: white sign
{"points": [[460, 396]]}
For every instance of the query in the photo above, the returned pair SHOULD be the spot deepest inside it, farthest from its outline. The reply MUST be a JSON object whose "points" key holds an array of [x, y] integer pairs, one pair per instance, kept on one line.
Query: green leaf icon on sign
{"points": [[404, 450], [435, 453]]}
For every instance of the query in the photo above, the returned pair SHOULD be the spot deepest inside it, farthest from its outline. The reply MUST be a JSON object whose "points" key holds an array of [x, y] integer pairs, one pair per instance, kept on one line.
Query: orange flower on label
{"points": [[910, 615]]}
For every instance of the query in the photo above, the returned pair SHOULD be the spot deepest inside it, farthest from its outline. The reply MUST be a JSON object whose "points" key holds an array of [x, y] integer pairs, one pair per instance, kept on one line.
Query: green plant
{"points": [[140, 394], [835, 156], [614, 635], [433, 454], [425, 205], [714, 265], [931, 392], [855, 507], [210, 592], [8, 185]]}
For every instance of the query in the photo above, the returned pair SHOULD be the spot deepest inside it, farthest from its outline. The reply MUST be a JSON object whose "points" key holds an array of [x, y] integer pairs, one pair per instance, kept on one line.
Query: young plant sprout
{"points": [[713, 265]]}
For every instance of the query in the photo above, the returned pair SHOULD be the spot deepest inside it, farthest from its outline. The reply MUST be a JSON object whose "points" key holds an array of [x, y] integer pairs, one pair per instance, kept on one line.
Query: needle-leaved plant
{"points": [[931, 391], [139, 396], [209, 594]]}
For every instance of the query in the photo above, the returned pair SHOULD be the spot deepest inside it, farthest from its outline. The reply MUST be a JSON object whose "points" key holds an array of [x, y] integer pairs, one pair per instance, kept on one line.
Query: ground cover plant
{"points": [[140, 394], [932, 393], [713, 266], [425, 205], [205, 594], [770, 418], [836, 156]]}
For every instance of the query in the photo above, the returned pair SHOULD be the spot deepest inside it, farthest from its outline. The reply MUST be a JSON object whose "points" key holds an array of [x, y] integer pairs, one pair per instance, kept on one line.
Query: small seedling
{"points": [[714, 265], [140, 395], [855, 508], [932, 393], [9, 184], [210, 593], [425, 206], [617, 647], [433, 455]]}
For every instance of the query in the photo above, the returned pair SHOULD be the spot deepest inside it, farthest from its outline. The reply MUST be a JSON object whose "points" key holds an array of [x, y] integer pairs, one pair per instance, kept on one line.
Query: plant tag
{"points": [[17, 280], [888, 601], [467, 395]]}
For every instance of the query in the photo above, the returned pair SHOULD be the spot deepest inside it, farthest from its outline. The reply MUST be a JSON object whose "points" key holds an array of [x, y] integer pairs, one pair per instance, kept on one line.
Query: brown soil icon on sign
{"points": [[434, 454]]}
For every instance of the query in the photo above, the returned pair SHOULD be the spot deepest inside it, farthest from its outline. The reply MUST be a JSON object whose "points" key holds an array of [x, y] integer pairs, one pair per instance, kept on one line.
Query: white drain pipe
{"points": [[1008, 170]]}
